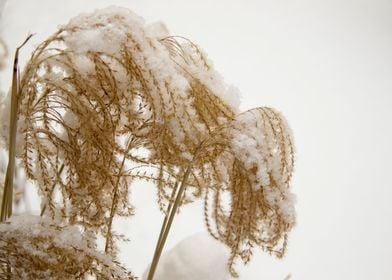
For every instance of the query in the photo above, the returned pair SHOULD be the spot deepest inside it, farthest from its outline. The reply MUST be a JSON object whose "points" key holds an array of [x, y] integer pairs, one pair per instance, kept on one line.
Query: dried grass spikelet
{"points": [[33, 247], [98, 91], [248, 204]]}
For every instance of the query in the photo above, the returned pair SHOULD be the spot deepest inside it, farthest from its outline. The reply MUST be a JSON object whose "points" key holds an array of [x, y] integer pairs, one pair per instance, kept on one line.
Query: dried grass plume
{"points": [[107, 101]]}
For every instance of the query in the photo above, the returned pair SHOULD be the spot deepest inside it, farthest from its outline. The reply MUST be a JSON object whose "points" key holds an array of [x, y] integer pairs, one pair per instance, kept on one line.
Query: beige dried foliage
{"points": [[80, 128], [92, 122]]}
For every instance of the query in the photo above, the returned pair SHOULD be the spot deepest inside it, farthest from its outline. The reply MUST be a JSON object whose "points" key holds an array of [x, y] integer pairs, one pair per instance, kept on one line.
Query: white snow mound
{"points": [[194, 258]]}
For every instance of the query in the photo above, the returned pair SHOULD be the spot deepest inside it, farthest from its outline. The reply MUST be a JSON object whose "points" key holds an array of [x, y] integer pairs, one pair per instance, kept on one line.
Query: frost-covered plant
{"points": [[252, 168], [108, 100], [41, 248]]}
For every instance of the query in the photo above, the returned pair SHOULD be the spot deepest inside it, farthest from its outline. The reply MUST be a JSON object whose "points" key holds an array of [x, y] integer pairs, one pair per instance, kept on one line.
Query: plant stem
{"points": [[167, 214], [6, 205], [167, 224]]}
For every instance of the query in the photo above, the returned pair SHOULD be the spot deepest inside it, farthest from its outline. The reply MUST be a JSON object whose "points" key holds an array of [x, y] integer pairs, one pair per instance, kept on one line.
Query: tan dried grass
{"points": [[89, 134]]}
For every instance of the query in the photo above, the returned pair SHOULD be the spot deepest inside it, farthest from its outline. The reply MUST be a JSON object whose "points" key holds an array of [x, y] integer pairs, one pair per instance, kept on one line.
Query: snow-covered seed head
{"points": [[249, 203]]}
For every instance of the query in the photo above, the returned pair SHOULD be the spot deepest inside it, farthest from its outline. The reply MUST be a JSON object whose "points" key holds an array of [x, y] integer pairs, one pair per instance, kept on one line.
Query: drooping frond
{"points": [[249, 203]]}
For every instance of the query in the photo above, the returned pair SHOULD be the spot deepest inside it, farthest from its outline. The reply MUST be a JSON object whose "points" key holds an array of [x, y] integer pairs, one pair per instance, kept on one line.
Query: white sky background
{"points": [[327, 65]]}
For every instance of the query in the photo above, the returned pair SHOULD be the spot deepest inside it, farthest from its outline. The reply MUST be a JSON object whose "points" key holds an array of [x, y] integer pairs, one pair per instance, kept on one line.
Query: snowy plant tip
{"points": [[113, 26], [33, 247], [249, 203]]}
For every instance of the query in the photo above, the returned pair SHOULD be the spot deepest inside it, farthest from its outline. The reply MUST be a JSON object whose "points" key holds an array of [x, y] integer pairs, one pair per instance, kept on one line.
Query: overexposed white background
{"points": [[327, 65]]}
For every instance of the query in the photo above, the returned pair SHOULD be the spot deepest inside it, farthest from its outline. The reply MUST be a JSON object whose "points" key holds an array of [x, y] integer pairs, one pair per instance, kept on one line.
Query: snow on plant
{"points": [[107, 101], [42, 248]]}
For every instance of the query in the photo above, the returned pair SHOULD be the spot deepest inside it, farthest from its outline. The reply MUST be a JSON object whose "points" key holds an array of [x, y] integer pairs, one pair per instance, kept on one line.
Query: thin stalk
{"points": [[166, 226], [114, 201], [6, 205]]}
